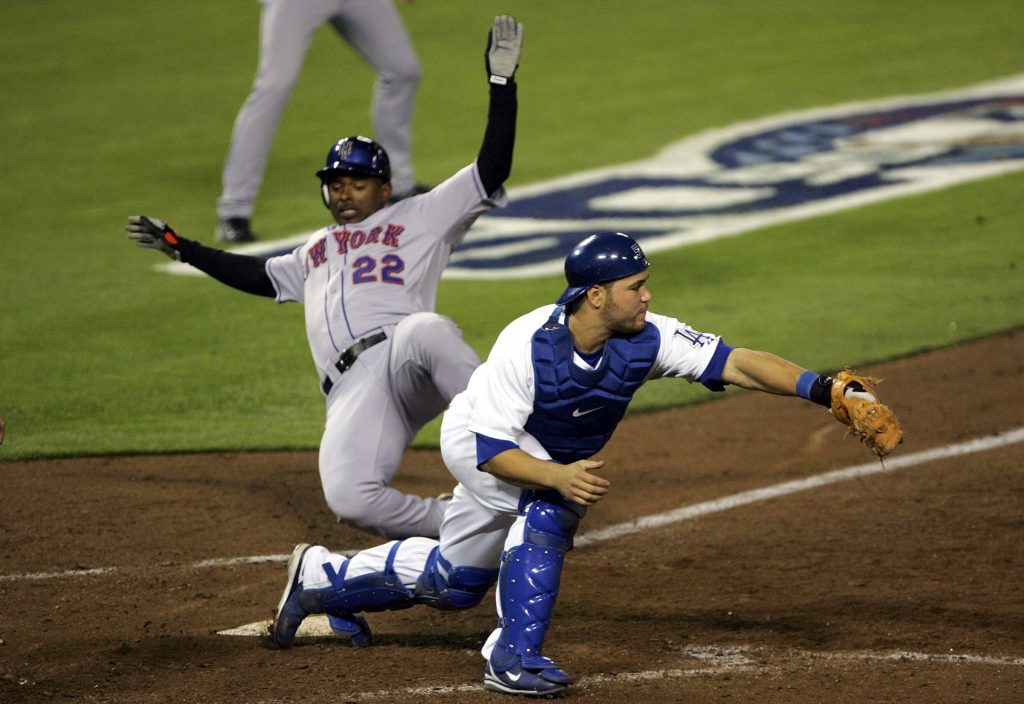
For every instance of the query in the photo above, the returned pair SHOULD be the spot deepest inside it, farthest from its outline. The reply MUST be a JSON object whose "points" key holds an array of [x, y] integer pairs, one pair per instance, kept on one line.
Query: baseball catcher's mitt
{"points": [[855, 403]]}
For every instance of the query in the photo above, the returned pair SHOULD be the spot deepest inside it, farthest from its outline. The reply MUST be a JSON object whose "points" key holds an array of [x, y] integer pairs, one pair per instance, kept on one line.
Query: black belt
{"points": [[348, 357]]}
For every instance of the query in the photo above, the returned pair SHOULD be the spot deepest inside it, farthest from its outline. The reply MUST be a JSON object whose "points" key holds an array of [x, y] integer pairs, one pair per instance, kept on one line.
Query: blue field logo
{"points": [[728, 181]]}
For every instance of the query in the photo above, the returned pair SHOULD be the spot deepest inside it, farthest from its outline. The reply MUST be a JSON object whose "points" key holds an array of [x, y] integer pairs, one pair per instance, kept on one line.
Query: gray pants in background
{"points": [[375, 30]]}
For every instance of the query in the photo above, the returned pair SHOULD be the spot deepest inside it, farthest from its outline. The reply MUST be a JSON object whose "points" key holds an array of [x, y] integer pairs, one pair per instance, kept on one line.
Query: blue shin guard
{"points": [[440, 586], [528, 588], [297, 603], [377, 591]]}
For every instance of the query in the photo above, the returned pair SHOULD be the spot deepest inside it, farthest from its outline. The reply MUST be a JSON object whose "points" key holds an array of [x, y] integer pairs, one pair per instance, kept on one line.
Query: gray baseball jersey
{"points": [[380, 276]]}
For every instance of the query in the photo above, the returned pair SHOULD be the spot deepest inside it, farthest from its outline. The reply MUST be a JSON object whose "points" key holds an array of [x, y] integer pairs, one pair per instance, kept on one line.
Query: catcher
{"points": [[523, 441]]}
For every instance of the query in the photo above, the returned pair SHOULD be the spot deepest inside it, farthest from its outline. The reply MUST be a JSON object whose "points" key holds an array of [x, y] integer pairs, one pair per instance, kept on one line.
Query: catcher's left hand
{"points": [[154, 234], [855, 403]]}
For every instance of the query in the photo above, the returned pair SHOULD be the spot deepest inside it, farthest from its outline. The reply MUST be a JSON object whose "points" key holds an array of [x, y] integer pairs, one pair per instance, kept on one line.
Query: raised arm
{"points": [[504, 44]]}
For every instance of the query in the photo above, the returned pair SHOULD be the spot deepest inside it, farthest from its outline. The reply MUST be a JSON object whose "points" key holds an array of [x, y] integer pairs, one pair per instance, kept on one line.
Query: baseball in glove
{"points": [[855, 403]]}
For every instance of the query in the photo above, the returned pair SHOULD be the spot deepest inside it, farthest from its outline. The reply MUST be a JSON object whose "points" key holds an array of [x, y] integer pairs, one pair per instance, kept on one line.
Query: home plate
{"points": [[315, 626]]}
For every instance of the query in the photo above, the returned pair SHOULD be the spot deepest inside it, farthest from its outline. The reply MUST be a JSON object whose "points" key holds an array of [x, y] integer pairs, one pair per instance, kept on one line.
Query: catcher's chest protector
{"points": [[576, 410]]}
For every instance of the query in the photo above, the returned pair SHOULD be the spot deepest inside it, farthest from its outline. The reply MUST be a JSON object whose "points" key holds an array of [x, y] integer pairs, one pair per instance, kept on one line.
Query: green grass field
{"points": [[112, 108]]}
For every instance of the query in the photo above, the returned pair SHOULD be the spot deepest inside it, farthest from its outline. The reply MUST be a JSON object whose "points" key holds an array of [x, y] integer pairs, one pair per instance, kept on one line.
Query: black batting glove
{"points": [[154, 234]]}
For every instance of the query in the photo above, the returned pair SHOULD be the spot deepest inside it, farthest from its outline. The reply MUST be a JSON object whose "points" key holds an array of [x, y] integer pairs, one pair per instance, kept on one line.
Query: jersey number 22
{"points": [[364, 269]]}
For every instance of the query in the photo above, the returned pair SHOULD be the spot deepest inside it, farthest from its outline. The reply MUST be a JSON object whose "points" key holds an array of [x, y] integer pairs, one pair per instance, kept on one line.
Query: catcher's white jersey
{"points": [[500, 395], [497, 403]]}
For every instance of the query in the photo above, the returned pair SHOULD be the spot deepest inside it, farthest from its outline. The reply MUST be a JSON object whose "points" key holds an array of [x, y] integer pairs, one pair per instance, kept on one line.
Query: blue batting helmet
{"points": [[356, 155], [603, 257]]}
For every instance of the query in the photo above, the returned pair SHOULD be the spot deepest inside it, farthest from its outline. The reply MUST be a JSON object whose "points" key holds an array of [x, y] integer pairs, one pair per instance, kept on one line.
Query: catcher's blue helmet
{"points": [[356, 155], [603, 257]]}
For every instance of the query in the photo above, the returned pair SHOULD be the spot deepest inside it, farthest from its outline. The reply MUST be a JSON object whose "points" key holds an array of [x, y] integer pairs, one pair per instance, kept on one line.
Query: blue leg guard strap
{"points": [[446, 588], [376, 591]]}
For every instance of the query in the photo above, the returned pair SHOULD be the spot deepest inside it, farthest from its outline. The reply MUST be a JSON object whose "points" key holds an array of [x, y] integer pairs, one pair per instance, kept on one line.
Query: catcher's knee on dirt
{"points": [[448, 588]]}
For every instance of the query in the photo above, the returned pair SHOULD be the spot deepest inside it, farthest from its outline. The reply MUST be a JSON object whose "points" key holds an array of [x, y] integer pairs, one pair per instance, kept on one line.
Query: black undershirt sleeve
{"points": [[494, 162], [244, 272]]}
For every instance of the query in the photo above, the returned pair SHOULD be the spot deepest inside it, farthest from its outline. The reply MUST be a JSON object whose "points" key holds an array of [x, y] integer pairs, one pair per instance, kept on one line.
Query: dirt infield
{"points": [[898, 586]]}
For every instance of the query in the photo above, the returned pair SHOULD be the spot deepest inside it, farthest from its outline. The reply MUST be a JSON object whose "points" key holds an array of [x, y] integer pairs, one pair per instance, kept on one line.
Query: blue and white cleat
{"points": [[298, 603], [531, 676], [290, 613]]}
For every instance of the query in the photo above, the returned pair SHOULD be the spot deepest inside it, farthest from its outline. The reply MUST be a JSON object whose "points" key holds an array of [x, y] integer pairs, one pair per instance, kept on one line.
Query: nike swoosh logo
{"points": [[577, 413], [515, 677]]}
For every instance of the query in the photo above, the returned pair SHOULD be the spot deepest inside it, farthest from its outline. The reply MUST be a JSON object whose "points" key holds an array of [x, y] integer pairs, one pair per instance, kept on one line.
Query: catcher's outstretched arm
{"points": [[761, 371], [850, 397]]}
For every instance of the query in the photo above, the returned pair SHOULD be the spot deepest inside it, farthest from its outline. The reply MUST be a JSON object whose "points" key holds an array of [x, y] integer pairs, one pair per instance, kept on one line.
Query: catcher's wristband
{"points": [[816, 388]]}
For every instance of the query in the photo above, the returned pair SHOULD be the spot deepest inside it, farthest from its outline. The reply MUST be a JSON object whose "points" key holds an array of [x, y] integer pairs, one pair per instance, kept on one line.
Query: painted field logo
{"points": [[732, 180]]}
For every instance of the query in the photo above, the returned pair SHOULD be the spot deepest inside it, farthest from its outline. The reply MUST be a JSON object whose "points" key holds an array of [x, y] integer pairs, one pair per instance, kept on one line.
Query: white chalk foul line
{"points": [[685, 513], [84, 572], [251, 560], [90, 572], [945, 658]]}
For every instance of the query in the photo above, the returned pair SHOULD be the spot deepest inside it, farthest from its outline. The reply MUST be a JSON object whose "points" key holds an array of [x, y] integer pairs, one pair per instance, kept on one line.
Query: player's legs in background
{"points": [[286, 29], [430, 364], [375, 29], [364, 438]]}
